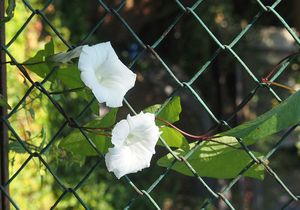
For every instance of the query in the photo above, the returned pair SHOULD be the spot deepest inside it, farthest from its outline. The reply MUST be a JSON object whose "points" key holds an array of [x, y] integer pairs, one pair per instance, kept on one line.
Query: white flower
{"points": [[103, 72], [134, 140]]}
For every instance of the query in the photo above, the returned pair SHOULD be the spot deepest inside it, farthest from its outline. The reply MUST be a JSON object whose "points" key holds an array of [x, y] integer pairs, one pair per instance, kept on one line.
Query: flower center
{"points": [[99, 77], [131, 139]]}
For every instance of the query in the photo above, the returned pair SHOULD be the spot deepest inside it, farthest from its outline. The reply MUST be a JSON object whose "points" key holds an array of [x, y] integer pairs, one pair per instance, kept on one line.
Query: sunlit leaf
{"points": [[282, 116], [172, 137], [78, 144], [38, 64], [32, 112], [16, 147], [215, 160], [169, 113]]}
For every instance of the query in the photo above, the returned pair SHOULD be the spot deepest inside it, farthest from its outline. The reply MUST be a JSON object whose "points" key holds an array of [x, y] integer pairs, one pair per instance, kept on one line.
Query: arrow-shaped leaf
{"points": [[284, 115], [215, 160]]}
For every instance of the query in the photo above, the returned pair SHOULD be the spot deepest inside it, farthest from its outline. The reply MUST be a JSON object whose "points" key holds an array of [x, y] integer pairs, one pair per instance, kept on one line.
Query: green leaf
{"points": [[77, 143], [69, 77], [169, 113], [284, 115], [173, 138], [3, 102], [49, 49], [16, 147], [31, 112], [107, 121], [38, 64], [152, 109], [41, 64], [79, 146], [9, 11], [214, 160], [43, 137], [88, 96]]}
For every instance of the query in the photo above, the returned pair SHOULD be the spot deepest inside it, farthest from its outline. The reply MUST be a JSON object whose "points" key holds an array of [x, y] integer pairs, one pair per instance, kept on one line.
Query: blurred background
{"points": [[185, 49]]}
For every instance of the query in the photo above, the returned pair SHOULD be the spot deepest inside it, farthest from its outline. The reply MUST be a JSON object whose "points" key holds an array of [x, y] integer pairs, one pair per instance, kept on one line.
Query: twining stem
{"points": [[201, 137], [92, 128], [67, 91], [279, 85], [272, 71], [103, 134], [266, 79]]}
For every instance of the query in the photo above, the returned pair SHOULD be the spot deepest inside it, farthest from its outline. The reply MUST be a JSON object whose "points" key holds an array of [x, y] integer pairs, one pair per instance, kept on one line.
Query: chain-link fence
{"points": [[186, 86]]}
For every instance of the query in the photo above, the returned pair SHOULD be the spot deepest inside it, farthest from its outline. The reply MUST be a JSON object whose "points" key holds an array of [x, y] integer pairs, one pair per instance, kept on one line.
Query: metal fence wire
{"points": [[182, 86]]}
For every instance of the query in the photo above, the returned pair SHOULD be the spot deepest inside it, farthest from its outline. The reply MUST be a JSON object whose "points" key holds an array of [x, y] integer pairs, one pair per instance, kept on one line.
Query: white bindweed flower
{"points": [[103, 72], [134, 140]]}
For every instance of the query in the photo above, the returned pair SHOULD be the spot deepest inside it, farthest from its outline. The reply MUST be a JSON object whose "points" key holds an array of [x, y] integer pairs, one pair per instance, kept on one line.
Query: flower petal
{"points": [[122, 161], [103, 72], [90, 57], [120, 133], [88, 79], [111, 97], [143, 127], [134, 140]]}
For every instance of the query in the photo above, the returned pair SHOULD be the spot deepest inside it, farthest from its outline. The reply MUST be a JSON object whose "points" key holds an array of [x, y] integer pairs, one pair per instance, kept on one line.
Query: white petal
{"points": [[120, 133], [112, 97], [118, 79], [90, 57], [100, 94], [105, 74], [122, 161], [143, 127], [134, 139], [115, 70], [88, 79]]}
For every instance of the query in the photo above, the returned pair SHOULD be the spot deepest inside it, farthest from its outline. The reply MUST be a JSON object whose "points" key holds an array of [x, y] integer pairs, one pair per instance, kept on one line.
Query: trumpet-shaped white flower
{"points": [[134, 140], [103, 72]]}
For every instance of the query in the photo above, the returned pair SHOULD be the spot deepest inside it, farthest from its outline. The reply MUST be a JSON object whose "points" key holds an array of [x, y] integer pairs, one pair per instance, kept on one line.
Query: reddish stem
{"points": [[100, 134], [266, 78], [201, 137], [92, 128]]}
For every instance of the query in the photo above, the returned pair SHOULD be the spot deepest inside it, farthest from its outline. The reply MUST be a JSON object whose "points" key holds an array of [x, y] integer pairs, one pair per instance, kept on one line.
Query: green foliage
{"points": [[16, 147], [80, 147], [9, 12], [38, 64], [284, 115], [212, 155], [88, 96], [215, 160], [172, 137], [3, 102], [77, 144], [219, 154], [69, 77], [45, 60], [169, 113]]}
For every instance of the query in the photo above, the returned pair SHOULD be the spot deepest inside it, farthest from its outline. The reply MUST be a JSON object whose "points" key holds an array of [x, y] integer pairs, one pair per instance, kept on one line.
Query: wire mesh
{"points": [[182, 86]]}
